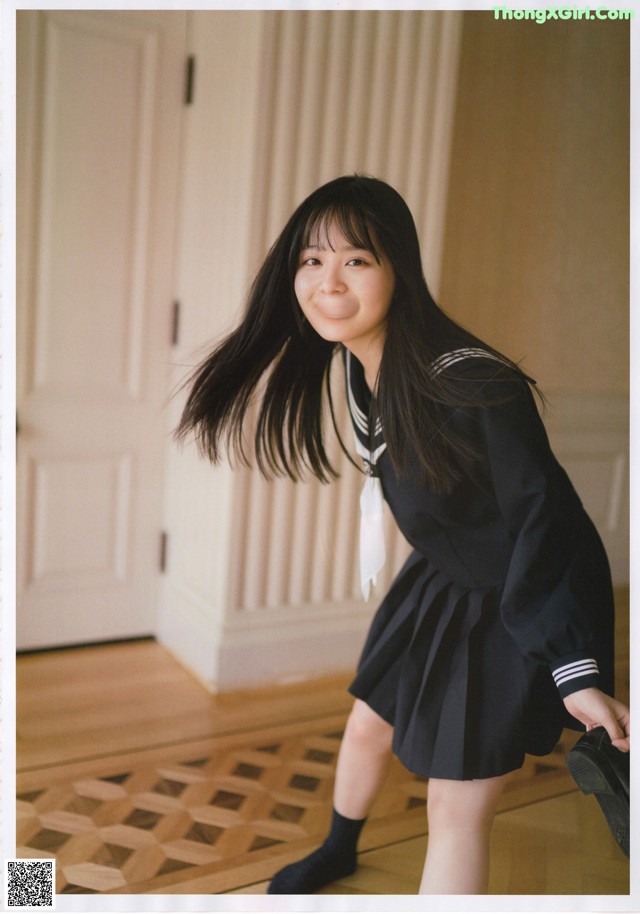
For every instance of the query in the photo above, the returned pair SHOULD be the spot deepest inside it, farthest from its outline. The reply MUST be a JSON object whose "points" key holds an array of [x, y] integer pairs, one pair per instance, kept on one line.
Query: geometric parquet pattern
{"points": [[222, 803], [182, 818], [138, 781]]}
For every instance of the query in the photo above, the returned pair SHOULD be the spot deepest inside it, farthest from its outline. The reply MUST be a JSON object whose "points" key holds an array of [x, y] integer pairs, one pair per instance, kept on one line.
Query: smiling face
{"points": [[345, 293]]}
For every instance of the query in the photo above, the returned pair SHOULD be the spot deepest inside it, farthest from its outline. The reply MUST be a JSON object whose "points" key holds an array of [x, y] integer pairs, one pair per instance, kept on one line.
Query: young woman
{"points": [[498, 631]]}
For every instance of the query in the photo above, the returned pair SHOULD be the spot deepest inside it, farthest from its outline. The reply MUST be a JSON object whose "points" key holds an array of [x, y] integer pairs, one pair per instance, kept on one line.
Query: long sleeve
{"points": [[557, 580]]}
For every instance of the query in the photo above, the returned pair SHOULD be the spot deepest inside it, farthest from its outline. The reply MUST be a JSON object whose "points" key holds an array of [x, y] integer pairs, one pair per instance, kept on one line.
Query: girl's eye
{"points": [[357, 262], [310, 262]]}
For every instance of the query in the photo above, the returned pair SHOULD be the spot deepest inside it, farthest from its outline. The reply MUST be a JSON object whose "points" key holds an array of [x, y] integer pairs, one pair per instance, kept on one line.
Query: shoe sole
{"points": [[591, 778]]}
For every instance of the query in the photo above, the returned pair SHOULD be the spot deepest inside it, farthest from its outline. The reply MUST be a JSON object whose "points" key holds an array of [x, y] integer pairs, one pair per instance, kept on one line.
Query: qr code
{"points": [[29, 884]]}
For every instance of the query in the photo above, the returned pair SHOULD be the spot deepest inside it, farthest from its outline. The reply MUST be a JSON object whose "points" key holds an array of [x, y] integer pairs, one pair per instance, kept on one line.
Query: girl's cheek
{"points": [[298, 287]]}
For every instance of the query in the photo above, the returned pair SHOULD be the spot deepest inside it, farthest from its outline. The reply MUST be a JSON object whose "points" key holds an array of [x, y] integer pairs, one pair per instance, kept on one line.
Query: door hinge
{"points": [[190, 79], [164, 538], [175, 323]]}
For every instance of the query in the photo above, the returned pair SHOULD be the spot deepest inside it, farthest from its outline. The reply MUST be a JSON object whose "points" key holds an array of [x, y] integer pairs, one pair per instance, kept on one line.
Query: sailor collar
{"points": [[370, 445]]}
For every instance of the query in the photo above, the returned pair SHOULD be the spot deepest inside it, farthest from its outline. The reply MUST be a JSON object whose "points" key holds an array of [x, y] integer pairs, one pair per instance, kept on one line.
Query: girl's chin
{"points": [[333, 331]]}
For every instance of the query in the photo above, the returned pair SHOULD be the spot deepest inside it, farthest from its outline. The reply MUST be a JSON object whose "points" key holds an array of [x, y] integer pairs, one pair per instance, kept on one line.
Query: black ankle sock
{"points": [[334, 860]]}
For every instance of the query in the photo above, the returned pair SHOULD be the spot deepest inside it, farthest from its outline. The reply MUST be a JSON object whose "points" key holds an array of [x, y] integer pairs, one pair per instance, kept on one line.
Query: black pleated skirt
{"points": [[440, 667]]}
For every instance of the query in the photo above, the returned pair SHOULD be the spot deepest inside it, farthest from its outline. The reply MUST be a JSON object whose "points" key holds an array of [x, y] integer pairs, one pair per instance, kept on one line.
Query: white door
{"points": [[100, 97]]}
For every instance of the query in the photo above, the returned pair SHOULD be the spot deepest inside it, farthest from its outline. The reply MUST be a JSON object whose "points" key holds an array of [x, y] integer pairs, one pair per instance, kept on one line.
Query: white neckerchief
{"points": [[372, 545]]}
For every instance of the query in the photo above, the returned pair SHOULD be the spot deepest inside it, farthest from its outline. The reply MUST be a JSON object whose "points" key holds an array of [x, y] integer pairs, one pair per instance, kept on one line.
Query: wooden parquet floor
{"points": [[216, 812], [139, 803]]}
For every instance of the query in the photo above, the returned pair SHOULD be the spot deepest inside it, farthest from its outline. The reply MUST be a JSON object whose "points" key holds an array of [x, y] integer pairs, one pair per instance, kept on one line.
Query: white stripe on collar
{"points": [[359, 416], [457, 355]]}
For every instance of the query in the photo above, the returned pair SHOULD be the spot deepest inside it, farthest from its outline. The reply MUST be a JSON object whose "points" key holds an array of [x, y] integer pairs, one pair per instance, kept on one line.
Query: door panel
{"points": [[99, 102]]}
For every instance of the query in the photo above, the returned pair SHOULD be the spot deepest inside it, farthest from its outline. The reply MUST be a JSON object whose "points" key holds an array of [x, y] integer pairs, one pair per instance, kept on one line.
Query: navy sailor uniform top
{"points": [[514, 522]]}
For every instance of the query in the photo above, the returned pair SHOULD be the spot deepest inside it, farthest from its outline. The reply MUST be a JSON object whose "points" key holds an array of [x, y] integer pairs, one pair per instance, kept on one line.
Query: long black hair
{"points": [[275, 341]]}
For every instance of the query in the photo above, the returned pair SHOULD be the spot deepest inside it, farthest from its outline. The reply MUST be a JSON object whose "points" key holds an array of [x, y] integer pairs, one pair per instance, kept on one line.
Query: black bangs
{"points": [[354, 224]]}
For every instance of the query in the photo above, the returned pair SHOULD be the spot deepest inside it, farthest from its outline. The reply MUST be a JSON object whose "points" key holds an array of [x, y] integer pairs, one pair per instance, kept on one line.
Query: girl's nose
{"points": [[332, 280]]}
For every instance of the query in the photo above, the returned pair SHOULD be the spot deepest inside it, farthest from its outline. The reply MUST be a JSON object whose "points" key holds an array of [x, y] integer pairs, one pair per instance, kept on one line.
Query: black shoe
{"points": [[599, 768]]}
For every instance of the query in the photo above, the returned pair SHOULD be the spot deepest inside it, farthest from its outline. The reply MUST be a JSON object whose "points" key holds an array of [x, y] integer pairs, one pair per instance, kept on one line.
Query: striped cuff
{"points": [[580, 674]]}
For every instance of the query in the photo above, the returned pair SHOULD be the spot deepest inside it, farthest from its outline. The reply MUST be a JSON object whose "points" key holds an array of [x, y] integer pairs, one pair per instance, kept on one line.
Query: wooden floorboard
{"points": [[138, 781], [100, 701]]}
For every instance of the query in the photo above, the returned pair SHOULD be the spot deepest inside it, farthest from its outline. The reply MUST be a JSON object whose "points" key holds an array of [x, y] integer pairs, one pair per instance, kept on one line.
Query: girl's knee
{"points": [[468, 805], [366, 727]]}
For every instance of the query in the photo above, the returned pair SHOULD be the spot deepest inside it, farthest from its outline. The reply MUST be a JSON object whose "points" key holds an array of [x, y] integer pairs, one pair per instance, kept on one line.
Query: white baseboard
{"points": [[293, 652], [284, 647]]}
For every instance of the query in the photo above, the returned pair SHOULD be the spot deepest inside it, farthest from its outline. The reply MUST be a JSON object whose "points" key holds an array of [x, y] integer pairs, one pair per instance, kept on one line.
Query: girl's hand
{"points": [[594, 708]]}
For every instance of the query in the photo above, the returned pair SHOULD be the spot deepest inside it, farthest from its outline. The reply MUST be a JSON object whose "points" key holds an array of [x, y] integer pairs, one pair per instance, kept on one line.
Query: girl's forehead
{"points": [[328, 234], [337, 230]]}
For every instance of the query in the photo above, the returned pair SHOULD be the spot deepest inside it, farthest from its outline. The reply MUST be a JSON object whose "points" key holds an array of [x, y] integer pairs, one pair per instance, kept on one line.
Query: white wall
{"points": [[261, 578]]}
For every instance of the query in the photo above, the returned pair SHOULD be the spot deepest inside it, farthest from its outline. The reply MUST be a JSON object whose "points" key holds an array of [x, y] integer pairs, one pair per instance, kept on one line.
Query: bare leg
{"points": [[363, 762], [460, 815]]}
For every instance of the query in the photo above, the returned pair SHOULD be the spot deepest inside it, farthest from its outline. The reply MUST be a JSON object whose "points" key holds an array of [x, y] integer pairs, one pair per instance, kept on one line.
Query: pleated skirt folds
{"points": [[439, 665]]}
